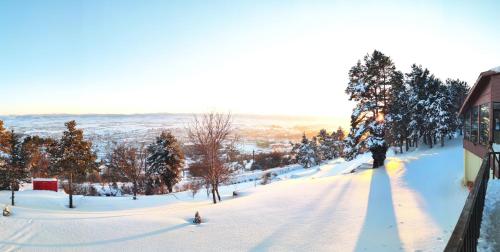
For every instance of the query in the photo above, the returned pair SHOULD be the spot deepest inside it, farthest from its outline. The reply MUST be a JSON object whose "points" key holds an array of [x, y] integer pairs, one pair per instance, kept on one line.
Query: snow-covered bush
{"points": [[266, 177], [197, 218], [7, 211]]}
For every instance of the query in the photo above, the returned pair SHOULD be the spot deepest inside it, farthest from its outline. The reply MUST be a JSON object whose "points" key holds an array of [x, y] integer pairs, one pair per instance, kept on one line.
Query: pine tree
{"points": [[326, 145], [399, 113], [165, 159], [305, 154], [338, 138], [14, 170], [417, 81], [443, 114], [72, 157], [370, 86], [457, 90], [4, 138]]}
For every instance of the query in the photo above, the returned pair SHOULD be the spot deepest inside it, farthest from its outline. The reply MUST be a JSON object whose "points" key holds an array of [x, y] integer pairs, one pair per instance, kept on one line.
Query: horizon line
{"points": [[165, 113]]}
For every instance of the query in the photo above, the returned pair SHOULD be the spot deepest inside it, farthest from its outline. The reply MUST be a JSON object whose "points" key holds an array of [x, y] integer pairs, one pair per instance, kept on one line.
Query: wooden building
{"points": [[481, 113]]}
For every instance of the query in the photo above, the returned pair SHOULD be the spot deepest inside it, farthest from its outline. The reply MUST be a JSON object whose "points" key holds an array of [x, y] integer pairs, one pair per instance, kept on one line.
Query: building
{"points": [[49, 184], [481, 113]]}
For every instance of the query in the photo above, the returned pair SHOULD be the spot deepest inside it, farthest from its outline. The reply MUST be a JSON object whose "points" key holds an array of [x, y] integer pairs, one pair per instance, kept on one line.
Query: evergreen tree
{"points": [[305, 154], [400, 113], [370, 86], [36, 155], [443, 114], [457, 90], [72, 157], [4, 138], [338, 138], [326, 145], [418, 81], [14, 169], [165, 159]]}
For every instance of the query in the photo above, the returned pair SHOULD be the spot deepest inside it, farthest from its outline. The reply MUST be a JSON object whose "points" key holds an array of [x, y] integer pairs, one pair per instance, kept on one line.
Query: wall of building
{"points": [[472, 163]]}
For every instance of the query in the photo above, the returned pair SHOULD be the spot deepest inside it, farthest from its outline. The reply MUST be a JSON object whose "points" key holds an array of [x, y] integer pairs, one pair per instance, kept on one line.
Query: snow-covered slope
{"points": [[411, 204]]}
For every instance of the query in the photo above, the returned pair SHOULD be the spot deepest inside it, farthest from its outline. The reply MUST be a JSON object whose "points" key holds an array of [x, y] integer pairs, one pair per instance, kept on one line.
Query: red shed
{"points": [[49, 184]]}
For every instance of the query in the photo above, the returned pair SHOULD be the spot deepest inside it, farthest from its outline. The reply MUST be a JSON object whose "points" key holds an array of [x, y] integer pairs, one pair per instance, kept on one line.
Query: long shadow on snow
{"points": [[380, 229], [101, 242], [290, 226]]}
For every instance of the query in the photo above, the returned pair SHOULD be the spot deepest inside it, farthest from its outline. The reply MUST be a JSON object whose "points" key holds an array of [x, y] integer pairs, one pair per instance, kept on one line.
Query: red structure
{"points": [[49, 184]]}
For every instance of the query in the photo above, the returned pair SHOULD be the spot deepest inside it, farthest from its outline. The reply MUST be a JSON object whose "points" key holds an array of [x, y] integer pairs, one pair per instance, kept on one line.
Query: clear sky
{"points": [[258, 57]]}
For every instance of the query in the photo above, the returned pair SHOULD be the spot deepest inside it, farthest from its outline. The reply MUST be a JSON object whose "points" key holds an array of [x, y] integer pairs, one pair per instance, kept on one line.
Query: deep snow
{"points": [[411, 204]]}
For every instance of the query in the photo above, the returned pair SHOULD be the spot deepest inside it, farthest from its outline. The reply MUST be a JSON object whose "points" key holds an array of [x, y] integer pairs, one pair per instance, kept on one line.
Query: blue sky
{"points": [[259, 57]]}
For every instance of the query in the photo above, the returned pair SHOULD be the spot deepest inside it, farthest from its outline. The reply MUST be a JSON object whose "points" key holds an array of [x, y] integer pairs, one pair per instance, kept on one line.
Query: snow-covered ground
{"points": [[411, 204], [489, 239]]}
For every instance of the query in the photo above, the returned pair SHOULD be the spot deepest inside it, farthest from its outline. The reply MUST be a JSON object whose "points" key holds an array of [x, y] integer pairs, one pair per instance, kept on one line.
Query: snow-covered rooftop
{"points": [[496, 69]]}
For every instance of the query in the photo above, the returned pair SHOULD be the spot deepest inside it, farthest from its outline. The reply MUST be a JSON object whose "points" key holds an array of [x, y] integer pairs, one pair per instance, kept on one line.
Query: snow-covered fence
{"points": [[466, 232]]}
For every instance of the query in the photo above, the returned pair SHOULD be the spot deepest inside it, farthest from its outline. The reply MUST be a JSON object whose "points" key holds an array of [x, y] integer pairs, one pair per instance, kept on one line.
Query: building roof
{"points": [[478, 85]]}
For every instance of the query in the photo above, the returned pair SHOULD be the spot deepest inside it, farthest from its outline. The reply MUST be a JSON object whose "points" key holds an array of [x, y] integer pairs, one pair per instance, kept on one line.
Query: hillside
{"points": [[412, 204]]}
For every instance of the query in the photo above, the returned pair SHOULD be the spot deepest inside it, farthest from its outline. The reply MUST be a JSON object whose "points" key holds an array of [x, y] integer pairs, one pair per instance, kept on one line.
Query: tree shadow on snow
{"points": [[101, 242], [380, 230]]}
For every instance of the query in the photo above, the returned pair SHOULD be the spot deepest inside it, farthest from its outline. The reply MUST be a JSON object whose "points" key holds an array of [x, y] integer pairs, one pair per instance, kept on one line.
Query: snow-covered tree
{"points": [[72, 157], [165, 160], [14, 169], [326, 145], [418, 80], [444, 119], [400, 114], [457, 90], [370, 87], [306, 152]]}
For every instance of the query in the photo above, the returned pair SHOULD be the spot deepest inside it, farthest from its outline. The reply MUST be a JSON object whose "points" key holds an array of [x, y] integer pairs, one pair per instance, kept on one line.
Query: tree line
{"points": [[323, 146], [149, 168], [396, 109]]}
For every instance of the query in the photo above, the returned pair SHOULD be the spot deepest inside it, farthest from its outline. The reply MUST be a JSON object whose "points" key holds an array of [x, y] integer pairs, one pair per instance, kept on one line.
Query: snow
{"points": [[44, 179], [412, 203], [489, 238], [496, 69]]}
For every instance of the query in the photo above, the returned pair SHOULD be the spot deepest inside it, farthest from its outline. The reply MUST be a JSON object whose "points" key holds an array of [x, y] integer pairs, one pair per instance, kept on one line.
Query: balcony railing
{"points": [[466, 232]]}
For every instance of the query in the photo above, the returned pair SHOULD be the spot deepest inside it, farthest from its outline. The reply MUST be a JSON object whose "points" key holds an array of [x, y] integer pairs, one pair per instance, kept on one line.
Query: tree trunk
{"points": [[425, 139], [12, 191], [135, 190], [71, 190], [435, 140], [213, 195], [442, 141], [416, 141], [401, 146], [430, 141], [378, 155], [407, 147], [217, 191]]}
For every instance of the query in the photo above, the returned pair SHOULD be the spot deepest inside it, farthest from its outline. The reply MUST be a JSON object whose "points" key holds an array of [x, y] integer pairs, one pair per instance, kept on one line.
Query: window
{"points": [[474, 127], [496, 123], [467, 125], [484, 124]]}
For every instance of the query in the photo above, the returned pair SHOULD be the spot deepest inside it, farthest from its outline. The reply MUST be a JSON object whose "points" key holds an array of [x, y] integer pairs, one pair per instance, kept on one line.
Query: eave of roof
{"points": [[477, 86]]}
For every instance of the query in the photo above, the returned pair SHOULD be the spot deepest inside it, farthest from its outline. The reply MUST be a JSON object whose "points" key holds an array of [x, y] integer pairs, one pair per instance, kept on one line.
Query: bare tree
{"points": [[127, 162], [208, 133]]}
